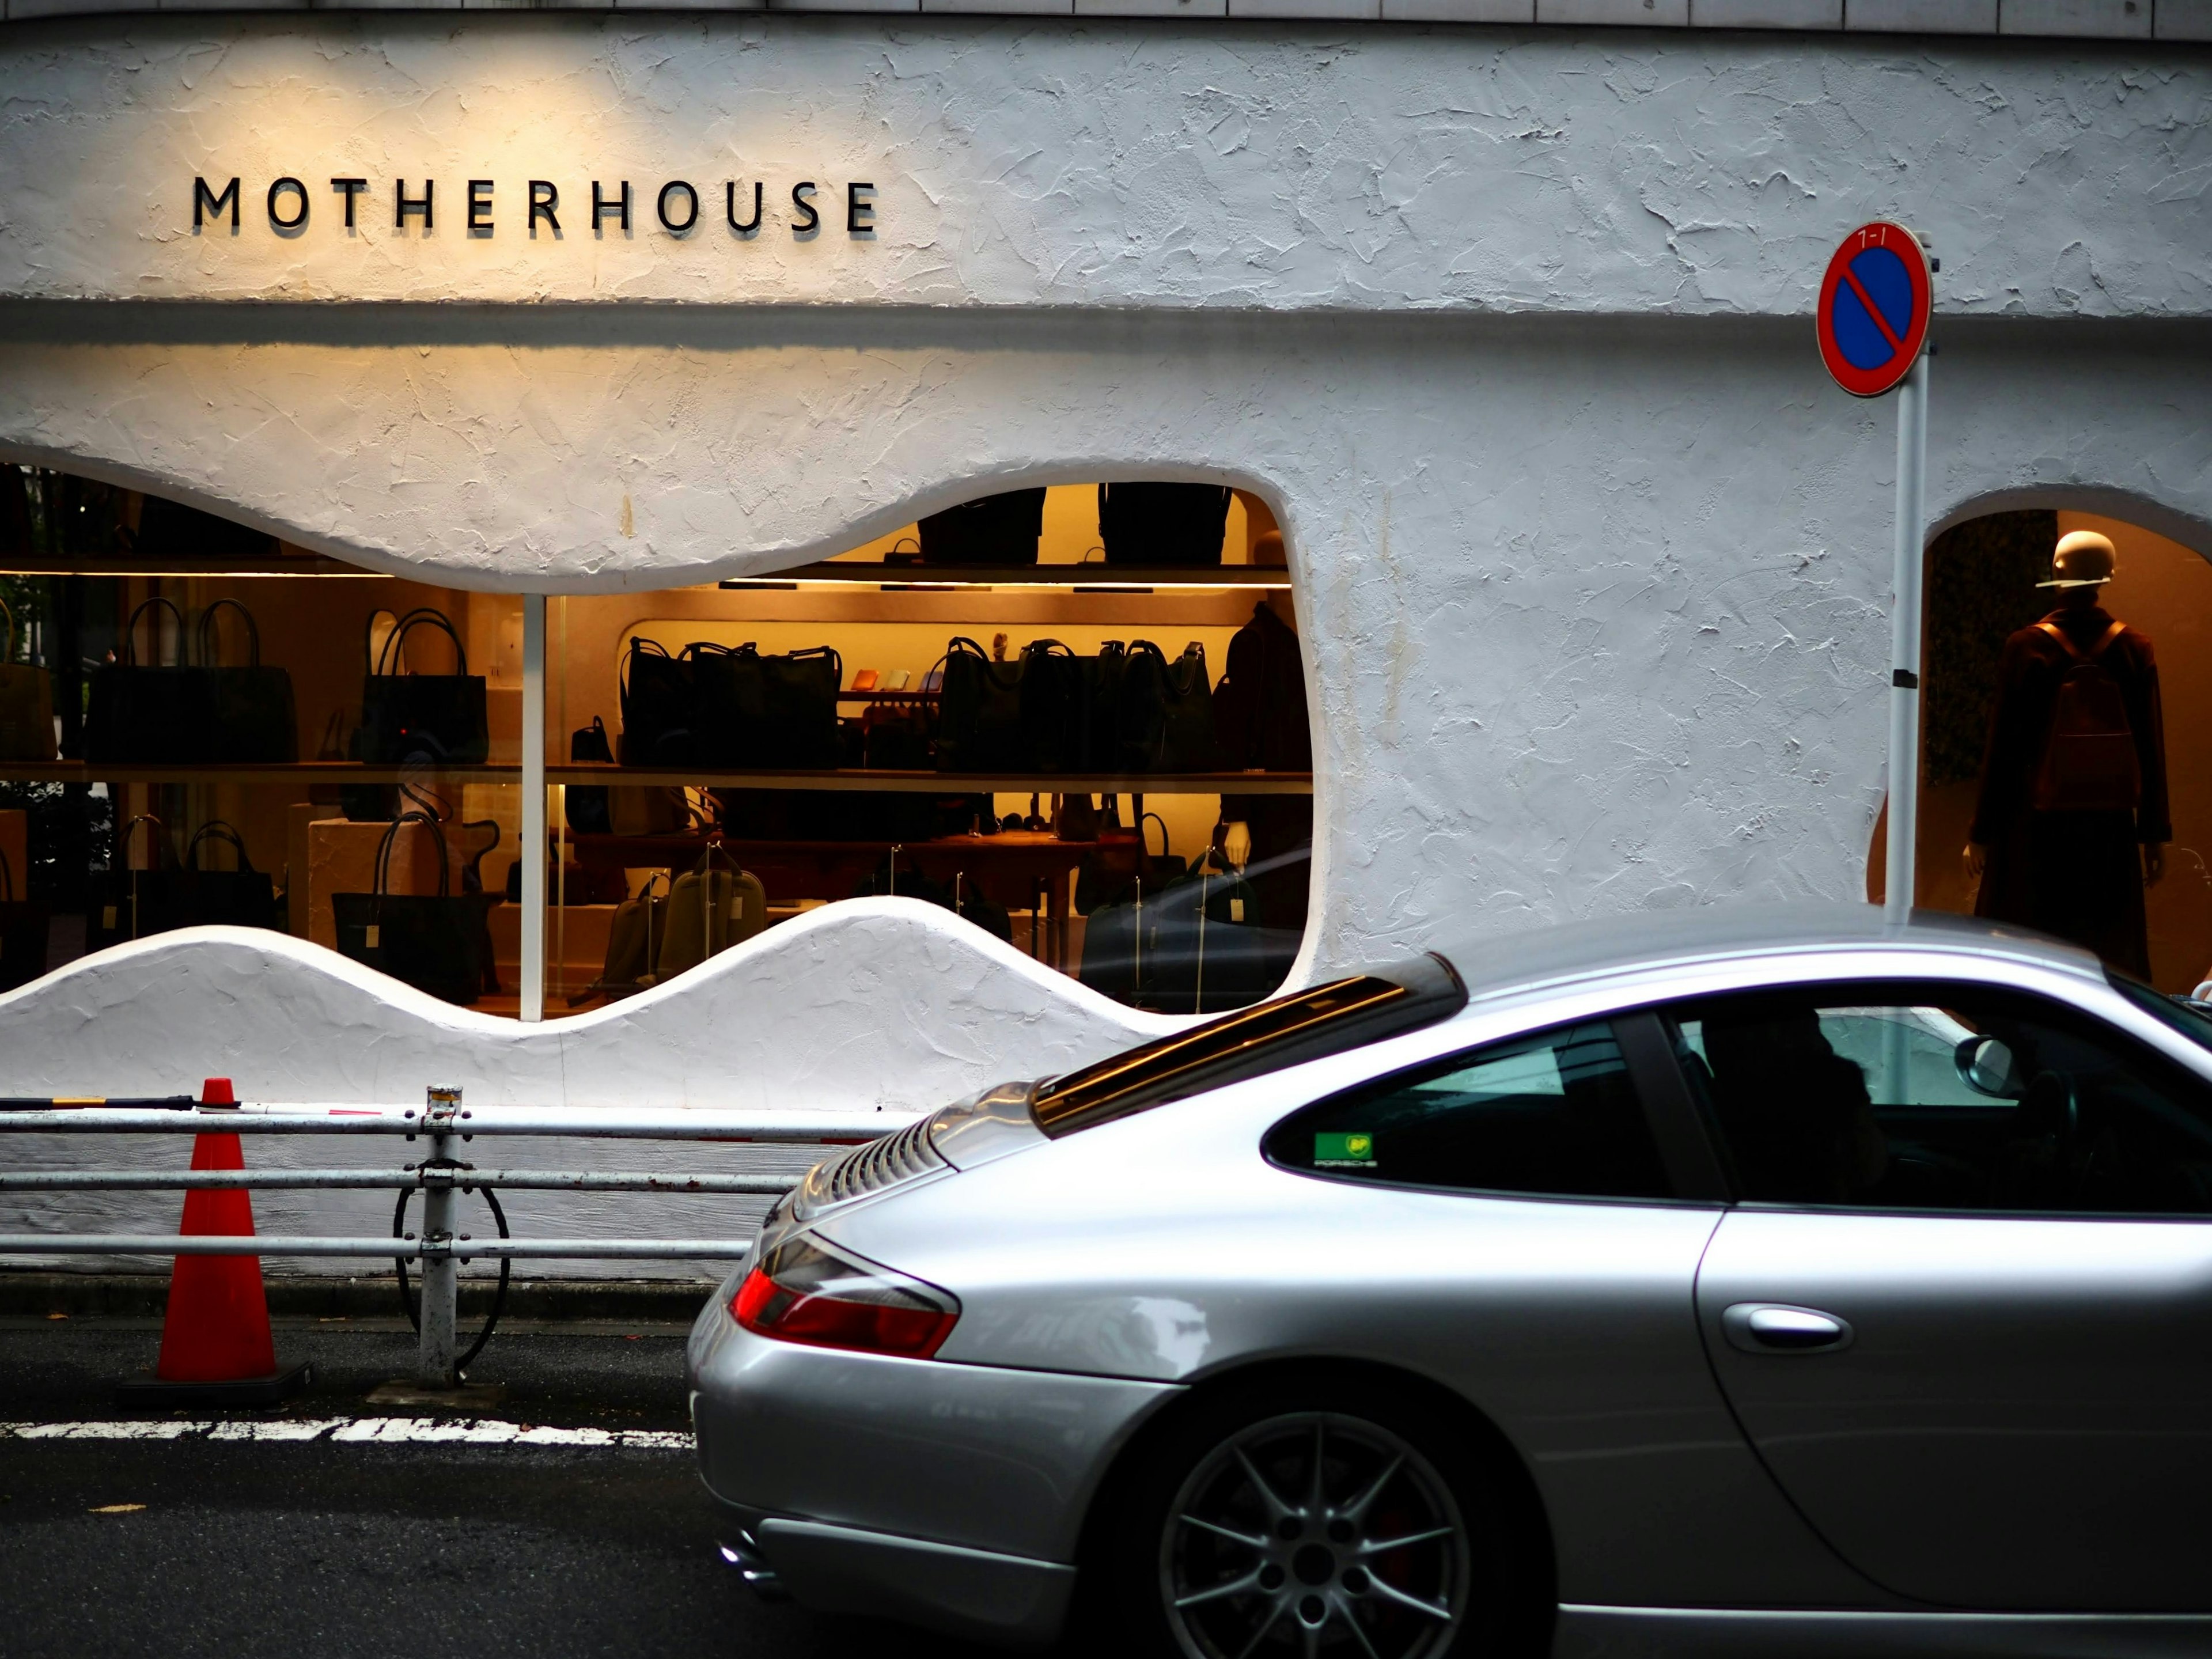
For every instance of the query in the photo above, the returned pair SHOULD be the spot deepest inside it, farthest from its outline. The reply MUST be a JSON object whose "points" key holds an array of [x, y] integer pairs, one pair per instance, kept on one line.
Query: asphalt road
{"points": [[201, 1545]]}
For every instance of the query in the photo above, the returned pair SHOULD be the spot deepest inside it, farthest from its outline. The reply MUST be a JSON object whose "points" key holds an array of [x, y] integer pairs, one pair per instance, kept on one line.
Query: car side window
{"points": [[1944, 1097], [1555, 1116]]}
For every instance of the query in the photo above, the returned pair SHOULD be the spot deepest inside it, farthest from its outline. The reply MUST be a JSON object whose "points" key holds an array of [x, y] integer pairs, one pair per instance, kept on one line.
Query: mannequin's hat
{"points": [[2084, 559]]}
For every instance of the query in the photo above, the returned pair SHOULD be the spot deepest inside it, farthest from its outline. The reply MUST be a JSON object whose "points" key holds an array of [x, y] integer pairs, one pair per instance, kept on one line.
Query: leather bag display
{"points": [[633, 944], [242, 897], [1164, 712], [147, 714], [435, 942], [997, 530], [1054, 708], [979, 728], [122, 903], [586, 805], [422, 718], [772, 713], [23, 925], [26, 708], [252, 717], [657, 705], [1163, 524], [713, 905]]}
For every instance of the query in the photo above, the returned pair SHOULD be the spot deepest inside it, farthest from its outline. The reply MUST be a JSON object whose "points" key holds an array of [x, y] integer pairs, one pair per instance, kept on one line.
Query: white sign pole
{"points": [[1905, 640]]}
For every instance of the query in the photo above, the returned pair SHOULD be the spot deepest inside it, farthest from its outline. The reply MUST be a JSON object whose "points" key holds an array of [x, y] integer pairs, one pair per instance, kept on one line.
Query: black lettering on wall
{"points": [[601, 207], [860, 210], [205, 200], [479, 205], [408, 205], [691, 200], [543, 198], [297, 219], [730, 198], [349, 188], [812, 222]]}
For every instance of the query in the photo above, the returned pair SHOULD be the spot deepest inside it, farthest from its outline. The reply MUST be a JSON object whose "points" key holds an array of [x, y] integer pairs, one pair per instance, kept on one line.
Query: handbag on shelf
{"points": [[23, 925], [979, 722], [123, 903], [26, 709], [240, 897], [633, 944], [774, 713], [1164, 713], [1163, 524], [434, 942], [253, 718], [149, 714], [586, 804], [1055, 707], [424, 718], [658, 705], [997, 530], [713, 905]]}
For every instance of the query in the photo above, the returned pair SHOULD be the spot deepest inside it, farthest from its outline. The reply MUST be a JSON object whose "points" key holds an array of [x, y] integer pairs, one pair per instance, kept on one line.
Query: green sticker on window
{"points": [[1354, 1150]]}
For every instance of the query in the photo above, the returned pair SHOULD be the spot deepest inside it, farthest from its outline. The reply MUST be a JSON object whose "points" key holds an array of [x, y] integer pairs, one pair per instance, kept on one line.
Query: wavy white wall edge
{"points": [[888, 1003]]}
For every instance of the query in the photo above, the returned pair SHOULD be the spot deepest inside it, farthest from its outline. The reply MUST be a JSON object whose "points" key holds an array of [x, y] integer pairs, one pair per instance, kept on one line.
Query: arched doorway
{"points": [[1981, 574]]}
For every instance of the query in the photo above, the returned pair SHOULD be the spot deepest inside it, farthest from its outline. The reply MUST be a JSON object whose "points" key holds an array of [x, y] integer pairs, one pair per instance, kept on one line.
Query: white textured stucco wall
{"points": [[1591, 558]]}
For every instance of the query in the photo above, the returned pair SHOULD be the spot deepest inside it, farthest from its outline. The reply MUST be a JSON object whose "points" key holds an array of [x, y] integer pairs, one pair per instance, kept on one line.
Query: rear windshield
{"points": [[1268, 1037]]}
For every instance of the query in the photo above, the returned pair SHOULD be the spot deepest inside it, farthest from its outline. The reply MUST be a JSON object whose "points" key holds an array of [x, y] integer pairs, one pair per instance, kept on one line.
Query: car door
{"points": [[1965, 1308]]}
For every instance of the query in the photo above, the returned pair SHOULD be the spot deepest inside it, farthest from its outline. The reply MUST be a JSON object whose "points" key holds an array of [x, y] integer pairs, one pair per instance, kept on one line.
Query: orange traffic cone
{"points": [[215, 1342]]}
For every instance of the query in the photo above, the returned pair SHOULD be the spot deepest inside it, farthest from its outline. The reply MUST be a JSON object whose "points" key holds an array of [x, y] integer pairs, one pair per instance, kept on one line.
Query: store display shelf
{"points": [[696, 777], [1109, 576]]}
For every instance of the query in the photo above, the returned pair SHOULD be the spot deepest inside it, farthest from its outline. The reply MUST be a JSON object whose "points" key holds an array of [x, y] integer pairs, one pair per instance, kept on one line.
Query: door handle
{"points": [[1772, 1327]]}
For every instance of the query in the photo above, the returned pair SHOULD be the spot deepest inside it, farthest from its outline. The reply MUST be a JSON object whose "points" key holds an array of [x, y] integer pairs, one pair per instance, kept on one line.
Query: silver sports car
{"points": [[1739, 1282]]}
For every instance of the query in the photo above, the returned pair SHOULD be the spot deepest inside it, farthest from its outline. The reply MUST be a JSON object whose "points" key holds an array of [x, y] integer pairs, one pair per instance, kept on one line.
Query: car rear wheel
{"points": [[1324, 1522]]}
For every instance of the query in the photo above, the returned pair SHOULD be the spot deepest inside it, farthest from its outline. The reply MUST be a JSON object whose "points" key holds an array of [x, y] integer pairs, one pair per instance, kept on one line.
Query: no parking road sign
{"points": [[1873, 315]]}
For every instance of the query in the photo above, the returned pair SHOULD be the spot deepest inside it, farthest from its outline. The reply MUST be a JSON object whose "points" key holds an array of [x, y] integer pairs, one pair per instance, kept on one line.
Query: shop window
{"points": [[1074, 716], [2056, 865]]}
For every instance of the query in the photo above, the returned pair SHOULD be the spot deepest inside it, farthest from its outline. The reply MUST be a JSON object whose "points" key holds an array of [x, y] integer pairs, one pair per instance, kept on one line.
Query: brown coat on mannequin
{"points": [[2077, 875]]}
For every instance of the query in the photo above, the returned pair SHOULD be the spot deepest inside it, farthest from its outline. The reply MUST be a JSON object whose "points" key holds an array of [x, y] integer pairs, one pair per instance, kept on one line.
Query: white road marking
{"points": [[382, 1430]]}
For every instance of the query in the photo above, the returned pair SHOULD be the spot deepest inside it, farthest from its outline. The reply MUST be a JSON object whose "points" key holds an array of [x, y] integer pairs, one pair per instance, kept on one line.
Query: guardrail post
{"points": [[433, 1358]]}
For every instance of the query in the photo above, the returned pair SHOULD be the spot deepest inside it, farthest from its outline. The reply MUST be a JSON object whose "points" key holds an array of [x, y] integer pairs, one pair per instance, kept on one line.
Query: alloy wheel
{"points": [[1315, 1533]]}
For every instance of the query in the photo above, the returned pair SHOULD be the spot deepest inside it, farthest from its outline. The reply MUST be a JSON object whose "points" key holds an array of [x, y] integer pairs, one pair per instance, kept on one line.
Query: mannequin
{"points": [[2072, 824]]}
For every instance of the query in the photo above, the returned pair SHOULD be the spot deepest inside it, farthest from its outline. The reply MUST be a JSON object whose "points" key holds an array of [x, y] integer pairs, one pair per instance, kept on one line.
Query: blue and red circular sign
{"points": [[1875, 302]]}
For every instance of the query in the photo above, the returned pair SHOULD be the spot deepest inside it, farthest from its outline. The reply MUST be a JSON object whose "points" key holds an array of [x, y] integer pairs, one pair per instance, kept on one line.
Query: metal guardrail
{"points": [[444, 1125]]}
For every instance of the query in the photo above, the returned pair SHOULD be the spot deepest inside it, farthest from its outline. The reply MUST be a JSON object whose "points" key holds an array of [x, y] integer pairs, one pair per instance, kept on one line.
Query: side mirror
{"points": [[1985, 1066]]}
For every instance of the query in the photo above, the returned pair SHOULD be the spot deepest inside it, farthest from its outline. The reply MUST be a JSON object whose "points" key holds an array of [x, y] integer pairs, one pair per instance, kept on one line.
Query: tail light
{"points": [[803, 1291]]}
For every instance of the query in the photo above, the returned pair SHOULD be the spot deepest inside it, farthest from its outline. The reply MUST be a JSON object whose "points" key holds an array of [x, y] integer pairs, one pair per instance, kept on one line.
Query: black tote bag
{"points": [[1163, 524], [658, 705], [23, 925], [432, 941], [589, 812], [240, 898], [145, 713], [1056, 682], [769, 711], [123, 903], [253, 716], [979, 726], [433, 719], [997, 530], [1165, 711]]}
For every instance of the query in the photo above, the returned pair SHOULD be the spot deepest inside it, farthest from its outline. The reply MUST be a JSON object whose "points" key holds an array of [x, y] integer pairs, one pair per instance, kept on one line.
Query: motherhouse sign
{"points": [[486, 207]]}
